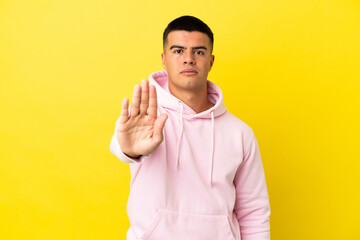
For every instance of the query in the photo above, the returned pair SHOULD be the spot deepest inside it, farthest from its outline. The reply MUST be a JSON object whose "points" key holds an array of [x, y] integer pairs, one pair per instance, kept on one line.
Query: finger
{"points": [[158, 127], [124, 115], [153, 102], [144, 104], [135, 103]]}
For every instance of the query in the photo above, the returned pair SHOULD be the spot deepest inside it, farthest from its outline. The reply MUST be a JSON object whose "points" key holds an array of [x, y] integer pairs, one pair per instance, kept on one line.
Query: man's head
{"points": [[190, 24], [187, 56]]}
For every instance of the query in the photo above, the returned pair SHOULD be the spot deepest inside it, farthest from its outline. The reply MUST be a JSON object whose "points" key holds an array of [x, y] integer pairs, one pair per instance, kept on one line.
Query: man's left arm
{"points": [[252, 206]]}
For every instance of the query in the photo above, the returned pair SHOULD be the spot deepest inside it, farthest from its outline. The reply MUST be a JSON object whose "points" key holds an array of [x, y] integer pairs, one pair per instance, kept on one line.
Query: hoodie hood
{"points": [[170, 102]]}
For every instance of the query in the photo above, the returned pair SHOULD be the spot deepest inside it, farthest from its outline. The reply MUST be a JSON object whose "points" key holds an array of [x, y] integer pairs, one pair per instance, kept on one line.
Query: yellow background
{"points": [[289, 69]]}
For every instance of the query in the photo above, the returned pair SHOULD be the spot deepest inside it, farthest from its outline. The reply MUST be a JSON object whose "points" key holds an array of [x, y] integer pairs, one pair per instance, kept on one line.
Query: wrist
{"points": [[134, 156]]}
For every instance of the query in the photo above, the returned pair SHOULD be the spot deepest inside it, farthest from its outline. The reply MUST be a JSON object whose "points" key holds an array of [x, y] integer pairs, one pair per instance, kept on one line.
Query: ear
{"points": [[212, 59], [163, 60]]}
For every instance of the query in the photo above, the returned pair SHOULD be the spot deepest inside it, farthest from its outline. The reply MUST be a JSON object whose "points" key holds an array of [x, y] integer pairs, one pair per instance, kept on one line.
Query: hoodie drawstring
{"points": [[212, 142], [180, 136], [212, 148]]}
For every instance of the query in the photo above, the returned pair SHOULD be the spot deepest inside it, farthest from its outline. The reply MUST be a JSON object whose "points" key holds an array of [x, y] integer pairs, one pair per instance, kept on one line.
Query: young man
{"points": [[196, 170]]}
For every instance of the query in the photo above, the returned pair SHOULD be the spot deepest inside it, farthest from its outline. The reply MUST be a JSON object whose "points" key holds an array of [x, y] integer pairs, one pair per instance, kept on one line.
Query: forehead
{"points": [[188, 39]]}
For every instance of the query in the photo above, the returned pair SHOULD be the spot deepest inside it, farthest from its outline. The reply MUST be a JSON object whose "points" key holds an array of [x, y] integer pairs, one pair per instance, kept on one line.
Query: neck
{"points": [[196, 100]]}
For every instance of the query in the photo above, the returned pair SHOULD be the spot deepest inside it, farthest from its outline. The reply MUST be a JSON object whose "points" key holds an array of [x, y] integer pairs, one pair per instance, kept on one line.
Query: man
{"points": [[196, 170]]}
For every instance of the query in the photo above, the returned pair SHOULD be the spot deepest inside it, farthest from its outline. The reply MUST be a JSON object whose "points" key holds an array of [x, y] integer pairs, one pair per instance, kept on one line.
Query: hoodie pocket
{"points": [[177, 225]]}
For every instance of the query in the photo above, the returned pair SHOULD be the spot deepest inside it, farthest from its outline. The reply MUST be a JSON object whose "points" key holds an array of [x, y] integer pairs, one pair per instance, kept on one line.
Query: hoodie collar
{"points": [[167, 100]]}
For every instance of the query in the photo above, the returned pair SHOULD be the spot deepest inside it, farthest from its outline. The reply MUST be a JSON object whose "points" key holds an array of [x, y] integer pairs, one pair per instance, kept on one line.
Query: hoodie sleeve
{"points": [[115, 149], [252, 206]]}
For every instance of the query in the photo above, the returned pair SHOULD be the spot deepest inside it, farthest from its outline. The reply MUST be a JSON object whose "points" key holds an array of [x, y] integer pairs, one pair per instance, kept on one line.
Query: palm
{"points": [[140, 132]]}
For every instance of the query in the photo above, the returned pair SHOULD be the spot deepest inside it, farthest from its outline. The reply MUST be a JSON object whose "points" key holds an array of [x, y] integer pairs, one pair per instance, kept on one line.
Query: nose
{"points": [[189, 58]]}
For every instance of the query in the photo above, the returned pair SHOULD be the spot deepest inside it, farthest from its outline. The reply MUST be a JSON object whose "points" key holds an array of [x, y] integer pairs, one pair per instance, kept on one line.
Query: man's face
{"points": [[188, 60]]}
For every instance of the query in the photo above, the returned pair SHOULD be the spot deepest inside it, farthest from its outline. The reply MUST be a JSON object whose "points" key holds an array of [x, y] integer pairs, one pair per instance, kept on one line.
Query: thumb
{"points": [[158, 127]]}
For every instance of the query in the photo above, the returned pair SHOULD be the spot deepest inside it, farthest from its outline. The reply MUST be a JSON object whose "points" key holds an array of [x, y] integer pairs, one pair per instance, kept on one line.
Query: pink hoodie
{"points": [[204, 182]]}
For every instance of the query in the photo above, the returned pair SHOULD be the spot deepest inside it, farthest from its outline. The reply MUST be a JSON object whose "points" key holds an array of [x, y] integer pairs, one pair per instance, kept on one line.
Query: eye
{"points": [[178, 51], [199, 52]]}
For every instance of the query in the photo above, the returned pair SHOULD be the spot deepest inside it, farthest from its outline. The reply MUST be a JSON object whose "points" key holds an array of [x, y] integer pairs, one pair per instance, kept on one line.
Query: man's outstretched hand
{"points": [[140, 132]]}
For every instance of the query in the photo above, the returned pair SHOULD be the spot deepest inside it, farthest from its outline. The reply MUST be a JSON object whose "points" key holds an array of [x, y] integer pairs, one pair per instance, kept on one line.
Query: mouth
{"points": [[189, 72]]}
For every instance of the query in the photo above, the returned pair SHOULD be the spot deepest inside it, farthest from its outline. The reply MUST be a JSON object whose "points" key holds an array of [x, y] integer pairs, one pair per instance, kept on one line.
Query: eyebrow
{"points": [[194, 48]]}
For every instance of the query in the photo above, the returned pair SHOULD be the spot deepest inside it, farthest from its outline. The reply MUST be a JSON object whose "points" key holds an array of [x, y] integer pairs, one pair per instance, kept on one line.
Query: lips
{"points": [[188, 72]]}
